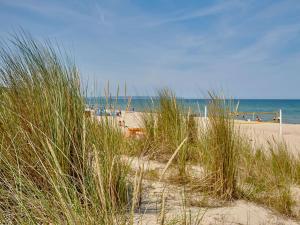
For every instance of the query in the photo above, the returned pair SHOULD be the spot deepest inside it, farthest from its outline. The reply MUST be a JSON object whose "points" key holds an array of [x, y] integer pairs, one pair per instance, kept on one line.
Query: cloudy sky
{"points": [[248, 49]]}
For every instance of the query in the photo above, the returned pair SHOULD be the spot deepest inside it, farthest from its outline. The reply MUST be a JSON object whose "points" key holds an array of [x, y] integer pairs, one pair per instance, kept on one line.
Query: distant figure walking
{"points": [[258, 119]]}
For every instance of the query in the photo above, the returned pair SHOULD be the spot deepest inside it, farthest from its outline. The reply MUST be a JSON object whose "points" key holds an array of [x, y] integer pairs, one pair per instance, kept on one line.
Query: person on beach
{"points": [[119, 113], [258, 119]]}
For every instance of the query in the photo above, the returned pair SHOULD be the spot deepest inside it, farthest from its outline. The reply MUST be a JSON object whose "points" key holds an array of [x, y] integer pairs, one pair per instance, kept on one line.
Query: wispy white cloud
{"points": [[44, 8], [214, 9], [272, 40]]}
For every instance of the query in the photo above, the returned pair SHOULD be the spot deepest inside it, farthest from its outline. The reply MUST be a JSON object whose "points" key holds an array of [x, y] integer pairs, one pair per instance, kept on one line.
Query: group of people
{"points": [[259, 119]]}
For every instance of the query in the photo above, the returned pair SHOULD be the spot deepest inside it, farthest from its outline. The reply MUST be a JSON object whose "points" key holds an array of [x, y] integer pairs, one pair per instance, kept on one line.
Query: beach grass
{"points": [[220, 146], [56, 166], [166, 126], [268, 174], [216, 143]]}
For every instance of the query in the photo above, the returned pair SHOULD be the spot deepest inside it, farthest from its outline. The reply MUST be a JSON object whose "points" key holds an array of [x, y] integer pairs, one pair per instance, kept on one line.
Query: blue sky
{"points": [[248, 49]]}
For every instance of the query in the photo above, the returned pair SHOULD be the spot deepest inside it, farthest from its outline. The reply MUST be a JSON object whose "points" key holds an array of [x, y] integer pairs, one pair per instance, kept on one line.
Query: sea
{"points": [[290, 107]]}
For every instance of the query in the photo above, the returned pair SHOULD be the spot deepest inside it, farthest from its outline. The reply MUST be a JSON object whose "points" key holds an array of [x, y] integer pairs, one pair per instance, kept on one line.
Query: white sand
{"points": [[262, 132], [259, 133]]}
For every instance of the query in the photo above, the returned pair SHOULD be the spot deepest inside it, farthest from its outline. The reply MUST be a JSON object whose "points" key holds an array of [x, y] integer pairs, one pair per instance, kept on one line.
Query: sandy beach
{"points": [[260, 133]]}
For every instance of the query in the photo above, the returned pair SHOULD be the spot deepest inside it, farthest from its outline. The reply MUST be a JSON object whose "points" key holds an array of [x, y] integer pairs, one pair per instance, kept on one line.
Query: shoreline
{"points": [[264, 107]]}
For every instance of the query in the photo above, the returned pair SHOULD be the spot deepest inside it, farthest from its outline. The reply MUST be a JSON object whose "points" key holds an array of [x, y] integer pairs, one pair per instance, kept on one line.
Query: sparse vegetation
{"points": [[233, 169], [268, 174]]}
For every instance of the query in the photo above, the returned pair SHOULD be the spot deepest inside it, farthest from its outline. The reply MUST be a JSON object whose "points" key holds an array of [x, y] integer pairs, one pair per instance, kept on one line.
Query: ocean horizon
{"points": [[290, 107]]}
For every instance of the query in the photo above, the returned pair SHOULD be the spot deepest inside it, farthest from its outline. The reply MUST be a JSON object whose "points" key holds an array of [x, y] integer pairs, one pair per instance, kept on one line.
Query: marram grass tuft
{"points": [[56, 167]]}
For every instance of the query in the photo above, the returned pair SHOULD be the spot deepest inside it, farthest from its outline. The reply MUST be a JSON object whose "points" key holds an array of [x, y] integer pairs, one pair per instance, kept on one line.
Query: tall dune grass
{"points": [[216, 144], [268, 175], [55, 166], [220, 149], [167, 126]]}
